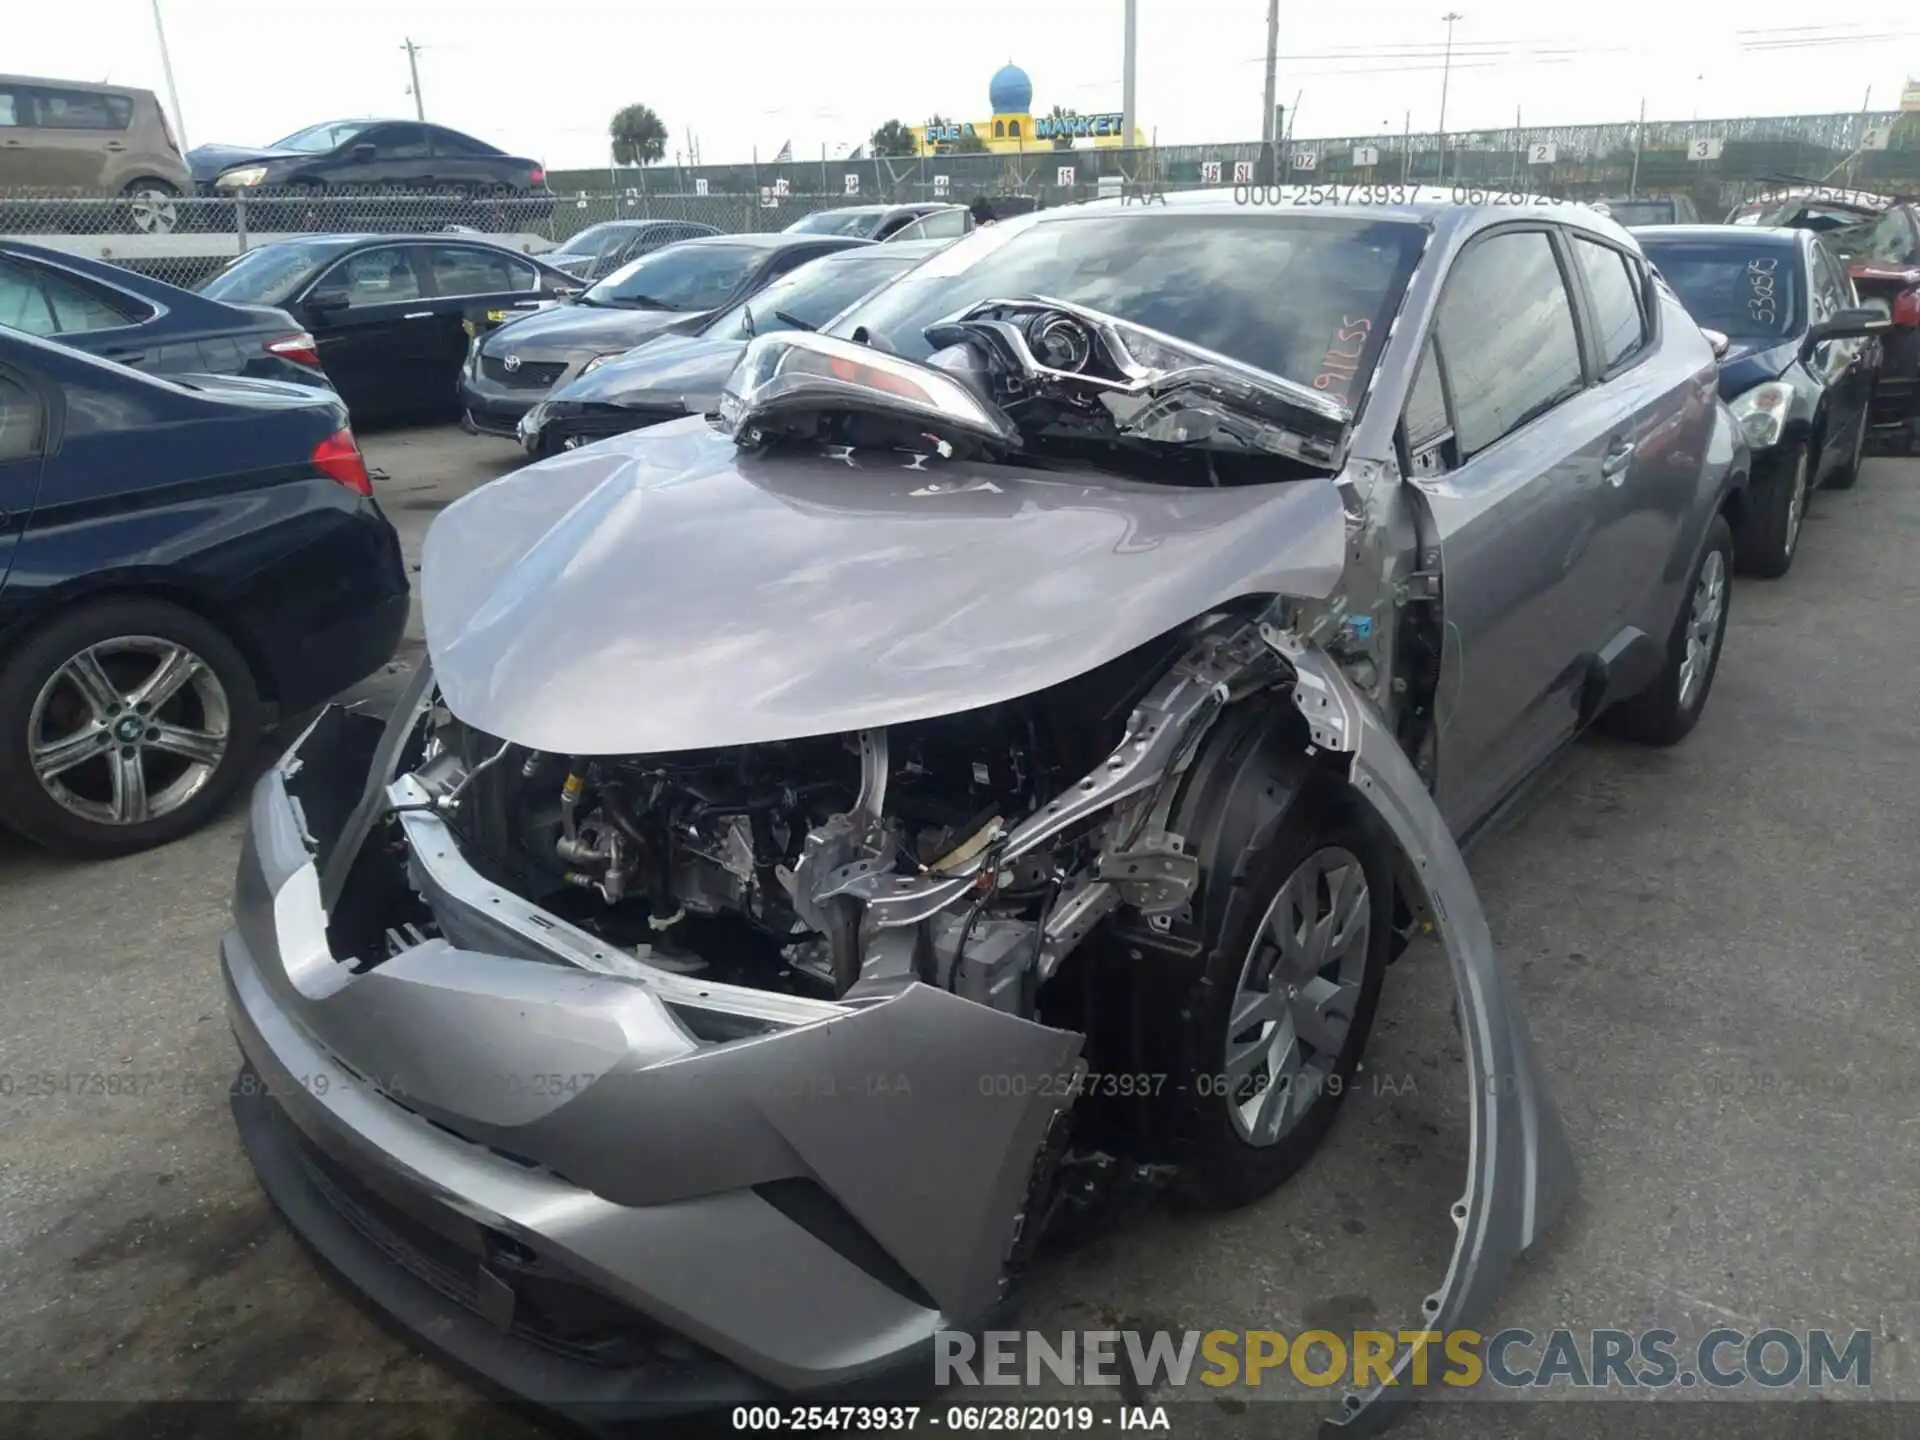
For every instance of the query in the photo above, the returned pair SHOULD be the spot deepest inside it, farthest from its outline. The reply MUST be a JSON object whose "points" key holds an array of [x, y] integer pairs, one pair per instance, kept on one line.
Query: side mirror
{"points": [[329, 301], [1848, 325], [1721, 344]]}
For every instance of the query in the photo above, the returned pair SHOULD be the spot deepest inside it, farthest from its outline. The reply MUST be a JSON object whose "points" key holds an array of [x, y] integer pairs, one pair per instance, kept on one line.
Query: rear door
{"points": [[474, 284], [75, 135], [1506, 437], [23, 434], [376, 331]]}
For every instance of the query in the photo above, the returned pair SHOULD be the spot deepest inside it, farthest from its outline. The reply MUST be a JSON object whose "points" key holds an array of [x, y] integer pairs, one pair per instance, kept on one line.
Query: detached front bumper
{"points": [[554, 1172]]}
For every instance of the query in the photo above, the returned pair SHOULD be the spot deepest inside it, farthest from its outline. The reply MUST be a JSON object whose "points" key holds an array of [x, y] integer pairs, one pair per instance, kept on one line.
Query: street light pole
{"points": [[1446, 70], [1131, 46], [1267, 128], [166, 69], [413, 67]]}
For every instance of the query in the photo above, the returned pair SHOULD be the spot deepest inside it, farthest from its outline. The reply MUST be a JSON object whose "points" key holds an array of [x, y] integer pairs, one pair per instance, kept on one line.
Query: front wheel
{"points": [[1275, 1027], [1666, 712], [123, 725], [1770, 537]]}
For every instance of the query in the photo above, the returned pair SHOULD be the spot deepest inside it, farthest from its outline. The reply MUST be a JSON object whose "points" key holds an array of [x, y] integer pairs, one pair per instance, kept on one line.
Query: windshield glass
{"points": [[1745, 291], [271, 274], [813, 295], [859, 223], [680, 277], [318, 138], [1284, 293], [585, 242]]}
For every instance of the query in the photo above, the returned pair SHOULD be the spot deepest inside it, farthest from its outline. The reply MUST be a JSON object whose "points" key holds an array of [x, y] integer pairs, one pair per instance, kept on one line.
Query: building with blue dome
{"points": [[1013, 127]]}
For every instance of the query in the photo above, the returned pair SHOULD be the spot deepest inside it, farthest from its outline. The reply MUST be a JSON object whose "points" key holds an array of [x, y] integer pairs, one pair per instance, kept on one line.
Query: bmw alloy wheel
{"points": [[1299, 987], [128, 730], [1704, 618]]}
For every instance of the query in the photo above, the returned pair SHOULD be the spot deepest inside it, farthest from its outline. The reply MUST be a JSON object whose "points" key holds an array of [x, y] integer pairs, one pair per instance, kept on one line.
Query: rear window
{"points": [[270, 275], [1304, 297], [683, 277], [1745, 291]]}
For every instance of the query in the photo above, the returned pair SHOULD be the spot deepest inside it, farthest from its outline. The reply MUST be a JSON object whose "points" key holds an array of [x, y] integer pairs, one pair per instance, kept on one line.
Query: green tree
{"points": [[639, 135], [1059, 117], [892, 138], [971, 144]]}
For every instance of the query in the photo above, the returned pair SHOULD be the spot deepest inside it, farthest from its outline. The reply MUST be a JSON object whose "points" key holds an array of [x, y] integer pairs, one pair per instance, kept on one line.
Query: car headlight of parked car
{"points": [[529, 427], [473, 354], [1762, 412], [597, 361], [245, 175]]}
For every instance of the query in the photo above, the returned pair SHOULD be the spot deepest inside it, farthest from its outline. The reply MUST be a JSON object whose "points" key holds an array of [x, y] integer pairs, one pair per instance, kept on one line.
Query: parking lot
{"points": [[1716, 945]]}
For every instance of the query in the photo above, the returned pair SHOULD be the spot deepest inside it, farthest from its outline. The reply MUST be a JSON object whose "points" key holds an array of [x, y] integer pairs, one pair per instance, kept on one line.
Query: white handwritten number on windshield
{"points": [[1337, 366], [1760, 303]]}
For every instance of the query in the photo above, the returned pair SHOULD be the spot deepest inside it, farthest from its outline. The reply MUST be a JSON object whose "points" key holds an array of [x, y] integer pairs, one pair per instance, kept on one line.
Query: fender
{"points": [[1520, 1169]]}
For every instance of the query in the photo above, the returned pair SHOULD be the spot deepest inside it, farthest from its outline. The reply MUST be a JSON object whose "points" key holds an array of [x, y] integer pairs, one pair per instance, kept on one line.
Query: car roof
{"points": [[91, 86], [770, 240], [1745, 234]]}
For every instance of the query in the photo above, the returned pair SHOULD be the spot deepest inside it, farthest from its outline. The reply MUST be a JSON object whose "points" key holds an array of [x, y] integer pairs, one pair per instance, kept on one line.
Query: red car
{"points": [[1878, 236]]}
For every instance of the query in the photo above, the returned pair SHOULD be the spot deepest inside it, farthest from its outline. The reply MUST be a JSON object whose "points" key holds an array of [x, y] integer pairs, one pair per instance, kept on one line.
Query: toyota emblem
{"points": [[512, 363]]}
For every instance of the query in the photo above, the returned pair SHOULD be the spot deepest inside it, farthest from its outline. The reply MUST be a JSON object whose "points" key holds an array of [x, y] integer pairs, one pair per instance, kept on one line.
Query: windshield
{"points": [[812, 295], [680, 277], [271, 274], [859, 223], [318, 138], [584, 242], [1745, 291], [1283, 293]]}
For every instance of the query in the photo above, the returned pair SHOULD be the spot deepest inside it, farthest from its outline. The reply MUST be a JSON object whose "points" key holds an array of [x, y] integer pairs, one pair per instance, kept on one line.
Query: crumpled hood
{"points": [[663, 591], [667, 371], [566, 329], [1748, 363]]}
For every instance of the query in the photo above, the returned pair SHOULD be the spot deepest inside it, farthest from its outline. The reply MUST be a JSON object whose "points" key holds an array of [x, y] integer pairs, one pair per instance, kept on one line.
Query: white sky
{"points": [[543, 80]]}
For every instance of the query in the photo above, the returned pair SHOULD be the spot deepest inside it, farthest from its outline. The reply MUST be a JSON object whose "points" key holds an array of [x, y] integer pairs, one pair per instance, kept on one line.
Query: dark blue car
{"points": [[182, 561], [112, 312], [1798, 358]]}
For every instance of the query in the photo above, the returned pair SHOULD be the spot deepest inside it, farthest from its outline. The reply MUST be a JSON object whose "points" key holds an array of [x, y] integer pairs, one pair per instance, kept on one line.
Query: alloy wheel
{"points": [[128, 730], [1299, 987], [1704, 618], [153, 211]]}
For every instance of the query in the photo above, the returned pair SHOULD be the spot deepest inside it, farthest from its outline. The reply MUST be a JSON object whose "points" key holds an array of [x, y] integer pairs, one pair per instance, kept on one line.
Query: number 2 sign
{"points": [[1541, 153]]}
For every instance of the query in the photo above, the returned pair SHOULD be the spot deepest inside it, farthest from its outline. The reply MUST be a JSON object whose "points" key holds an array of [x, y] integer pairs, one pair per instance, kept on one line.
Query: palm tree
{"points": [[639, 135], [1062, 134], [893, 138]]}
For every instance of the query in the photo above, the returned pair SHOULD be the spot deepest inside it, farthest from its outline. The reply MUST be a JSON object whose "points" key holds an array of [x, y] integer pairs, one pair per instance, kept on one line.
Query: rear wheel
{"points": [[1666, 712], [151, 209], [123, 725]]}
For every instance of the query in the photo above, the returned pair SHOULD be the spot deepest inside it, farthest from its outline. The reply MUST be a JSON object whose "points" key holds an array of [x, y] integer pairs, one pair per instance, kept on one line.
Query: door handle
{"points": [[115, 146], [1613, 464], [418, 315]]}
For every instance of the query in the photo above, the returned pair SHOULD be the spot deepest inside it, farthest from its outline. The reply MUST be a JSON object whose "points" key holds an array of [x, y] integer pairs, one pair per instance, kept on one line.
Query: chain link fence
{"points": [[1718, 164]]}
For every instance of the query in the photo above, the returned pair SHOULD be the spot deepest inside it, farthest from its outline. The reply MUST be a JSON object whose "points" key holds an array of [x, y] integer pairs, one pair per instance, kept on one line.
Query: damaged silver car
{"points": [[1083, 661]]}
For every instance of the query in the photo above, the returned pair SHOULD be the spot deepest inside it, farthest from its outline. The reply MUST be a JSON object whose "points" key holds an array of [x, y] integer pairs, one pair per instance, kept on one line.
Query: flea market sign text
{"points": [[949, 133], [1080, 127]]}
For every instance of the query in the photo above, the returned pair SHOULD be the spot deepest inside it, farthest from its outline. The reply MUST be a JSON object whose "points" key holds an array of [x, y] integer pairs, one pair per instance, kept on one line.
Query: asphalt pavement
{"points": [[1716, 945]]}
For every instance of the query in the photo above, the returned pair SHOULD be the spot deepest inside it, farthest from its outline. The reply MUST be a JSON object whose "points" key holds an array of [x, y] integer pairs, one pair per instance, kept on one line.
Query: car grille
{"points": [[601, 424], [532, 374]]}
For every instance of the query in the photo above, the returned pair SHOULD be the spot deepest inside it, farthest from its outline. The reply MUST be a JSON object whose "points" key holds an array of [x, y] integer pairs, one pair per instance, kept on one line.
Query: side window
{"points": [[23, 306], [80, 110], [401, 142], [793, 259], [1826, 292], [451, 142], [1617, 307], [13, 109], [76, 308], [19, 422], [1425, 422], [1841, 279], [374, 277], [940, 225], [462, 270], [1507, 332]]}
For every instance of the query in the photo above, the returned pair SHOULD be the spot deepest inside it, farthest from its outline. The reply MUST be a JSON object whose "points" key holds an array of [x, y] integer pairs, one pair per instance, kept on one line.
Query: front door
{"points": [[377, 332], [1509, 441]]}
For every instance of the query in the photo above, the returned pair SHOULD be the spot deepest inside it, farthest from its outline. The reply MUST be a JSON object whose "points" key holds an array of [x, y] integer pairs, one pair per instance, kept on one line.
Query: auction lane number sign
{"points": [[1365, 157], [941, 184], [1541, 153], [1708, 149], [852, 183], [1063, 175]]}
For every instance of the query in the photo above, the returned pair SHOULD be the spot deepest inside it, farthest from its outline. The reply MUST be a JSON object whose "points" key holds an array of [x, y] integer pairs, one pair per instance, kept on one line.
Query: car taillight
{"points": [[1906, 308], [298, 348], [537, 176], [338, 456]]}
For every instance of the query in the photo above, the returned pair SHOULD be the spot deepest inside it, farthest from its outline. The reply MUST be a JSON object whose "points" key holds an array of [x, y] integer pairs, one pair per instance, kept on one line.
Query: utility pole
{"points": [[1131, 49], [1268, 137], [1446, 70], [413, 64], [166, 69]]}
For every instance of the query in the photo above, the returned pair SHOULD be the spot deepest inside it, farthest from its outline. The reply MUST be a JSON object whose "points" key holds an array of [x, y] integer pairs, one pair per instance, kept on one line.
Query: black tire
{"points": [[1274, 819], [1848, 475], [1776, 513], [1661, 715], [26, 802]]}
